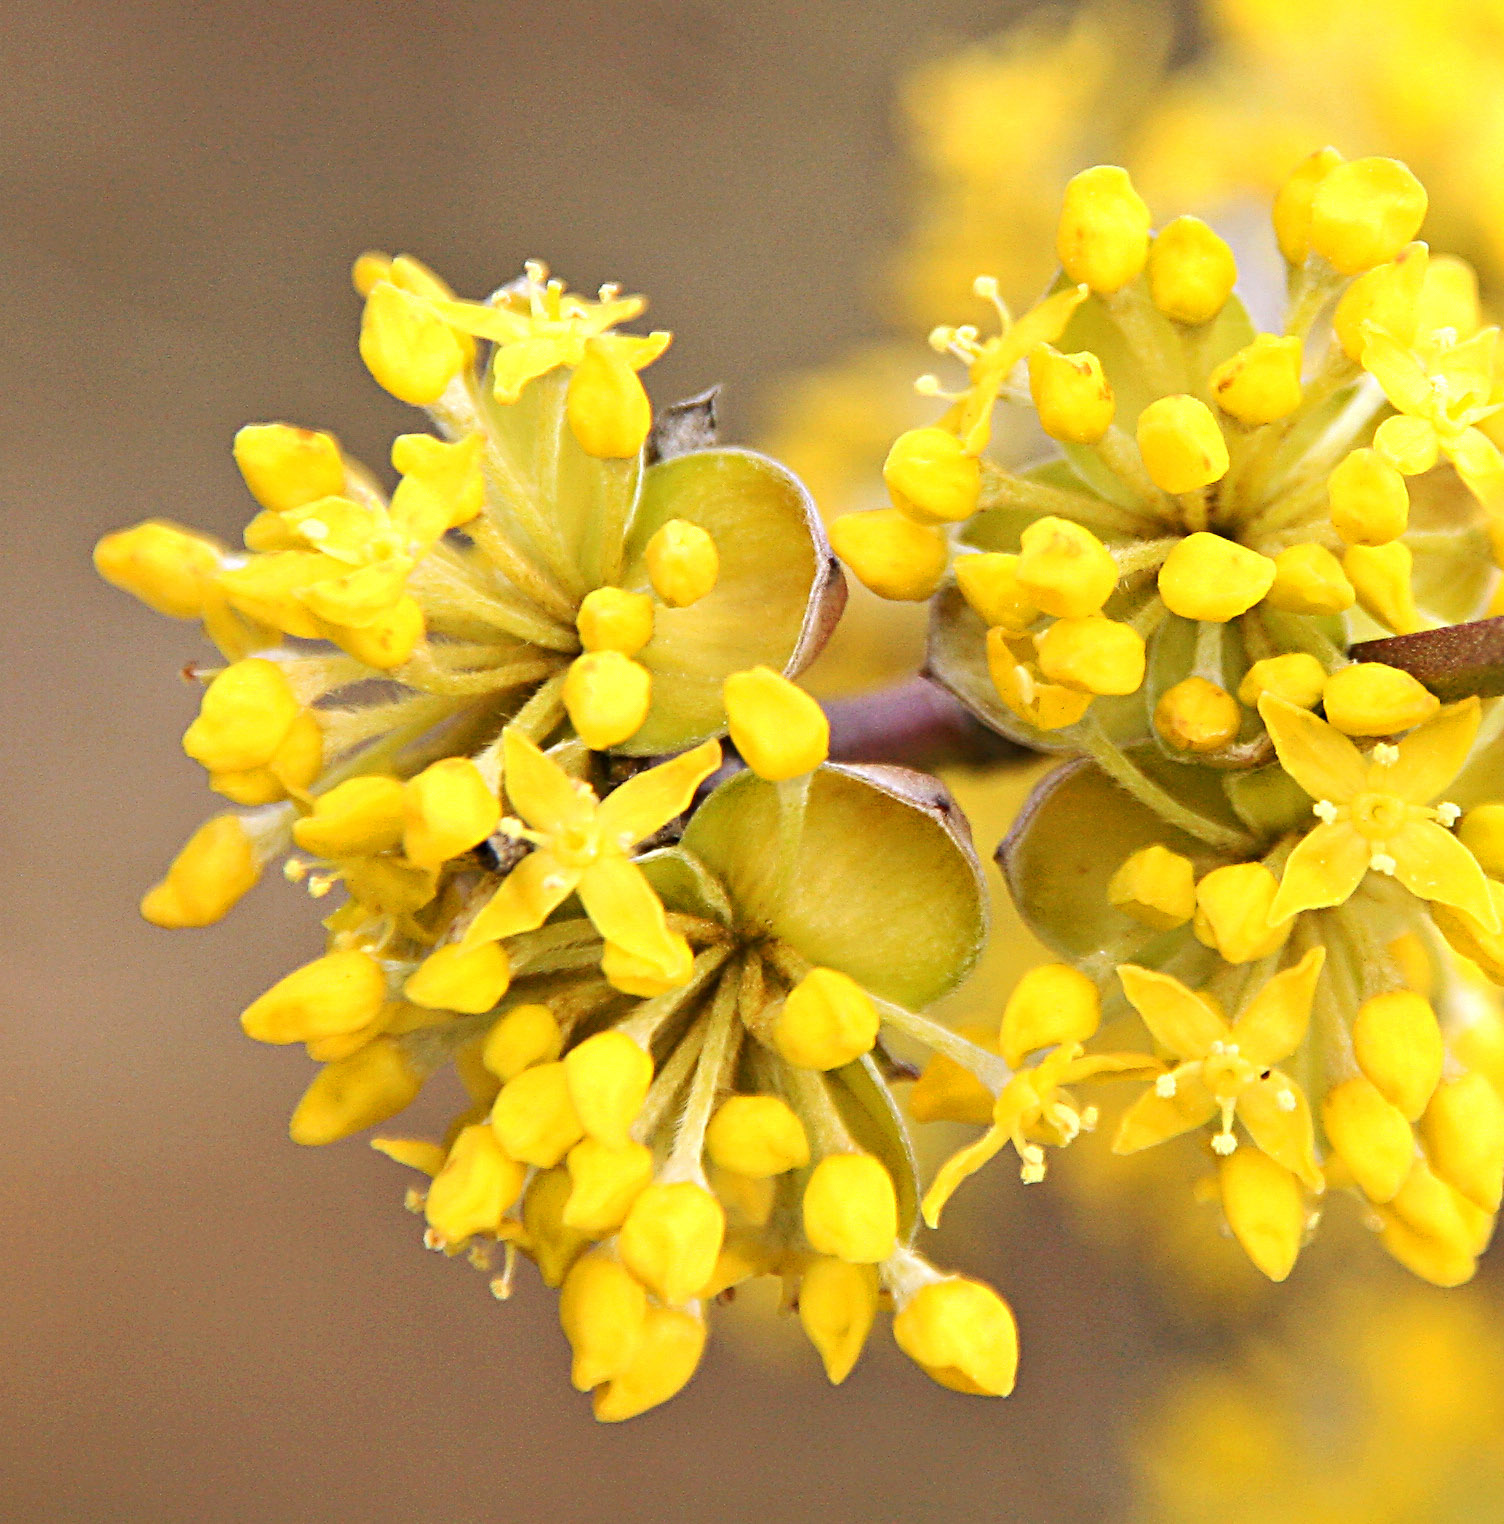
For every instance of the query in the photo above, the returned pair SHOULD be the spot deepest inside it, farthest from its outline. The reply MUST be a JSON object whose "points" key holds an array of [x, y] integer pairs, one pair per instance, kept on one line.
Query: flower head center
{"points": [[1227, 1073], [577, 844], [1379, 816]]}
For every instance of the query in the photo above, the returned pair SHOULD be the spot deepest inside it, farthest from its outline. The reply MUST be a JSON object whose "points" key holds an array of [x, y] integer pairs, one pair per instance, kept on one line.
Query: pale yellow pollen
{"points": [[1285, 1100], [1382, 862], [1385, 754], [1164, 1087], [1325, 811], [1448, 814]]}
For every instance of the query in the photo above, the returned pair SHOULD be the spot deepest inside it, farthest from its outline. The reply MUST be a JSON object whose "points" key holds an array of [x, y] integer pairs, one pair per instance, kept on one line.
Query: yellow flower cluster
{"points": [[1175, 597], [665, 1001]]}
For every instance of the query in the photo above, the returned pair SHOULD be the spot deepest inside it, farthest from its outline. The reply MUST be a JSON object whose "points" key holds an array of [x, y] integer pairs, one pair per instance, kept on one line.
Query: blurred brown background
{"points": [[200, 1321]]}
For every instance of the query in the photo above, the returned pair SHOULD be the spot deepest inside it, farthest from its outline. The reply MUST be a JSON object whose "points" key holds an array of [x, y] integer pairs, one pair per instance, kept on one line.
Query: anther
{"points": [[1164, 1086], [1448, 814], [1224, 1144], [1324, 810], [1385, 754], [1285, 1100], [1382, 862]]}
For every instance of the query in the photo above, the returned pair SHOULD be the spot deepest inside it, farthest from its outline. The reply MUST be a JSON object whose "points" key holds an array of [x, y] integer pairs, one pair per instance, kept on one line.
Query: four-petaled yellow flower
{"points": [[990, 362], [1030, 1107], [1226, 1069], [1375, 812], [584, 845], [537, 326], [1442, 392]]}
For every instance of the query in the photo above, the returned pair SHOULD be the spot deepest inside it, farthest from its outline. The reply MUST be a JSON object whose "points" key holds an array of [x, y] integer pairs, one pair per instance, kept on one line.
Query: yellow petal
{"points": [[648, 802], [620, 901], [1320, 758], [1274, 1023], [539, 789], [956, 1169], [1323, 870], [514, 365], [1430, 757], [1399, 372], [528, 895], [1278, 1118], [1431, 863], [1153, 1118], [1177, 1017]]}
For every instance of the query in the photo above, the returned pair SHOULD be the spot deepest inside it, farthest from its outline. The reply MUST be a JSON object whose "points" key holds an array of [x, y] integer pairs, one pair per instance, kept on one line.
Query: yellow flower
{"points": [[1226, 1069], [583, 845], [1375, 812], [1031, 1106]]}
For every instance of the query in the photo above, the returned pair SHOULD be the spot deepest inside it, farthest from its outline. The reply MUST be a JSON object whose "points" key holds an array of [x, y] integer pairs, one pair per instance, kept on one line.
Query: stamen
{"points": [[1285, 1100], [1382, 862], [1385, 754], [1448, 814], [1224, 1144], [1324, 810], [1164, 1086]]}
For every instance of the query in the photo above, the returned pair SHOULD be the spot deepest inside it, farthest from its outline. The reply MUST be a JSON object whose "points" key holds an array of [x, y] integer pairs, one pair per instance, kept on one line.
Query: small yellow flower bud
{"points": [[1429, 1206], [1071, 395], [167, 568], [449, 809], [415, 1153], [757, 1136], [741, 1259], [534, 1117], [1370, 699], [1370, 503], [1156, 887], [608, 1076], [837, 1306], [1292, 203], [748, 1202], [608, 696], [891, 554], [606, 1181], [1209, 578], [1064, 568], [851, 1209], [407, 347], [554, 1245], [1380, 575], [1094, 655], [354, 1093], [1024, 691], [465, 979], [1410, 445], [1481, 831], [294, 765], [632, 975], [287, 467], [526, 1035], [608, 409], [1195, 715], [1232, 912], [442, 484], [340, 992], [945, 1092], [1261, 382], [1181, 444], [1051, 1004], [475, 1187], [931, 477], [1364, 212], [1398, 1046], [1414, 963], [1440, 1263], [668, 1352], [216, 866], [388, 640], [1191, 271], [1309, 579], [989, 583], [1297, 677], [613, 620], [671, 1239], [961, 1334], [682, 563], [1264, 1208], [244, 717], [1103, 236], [357, 818], [780, 731], [1463, 1130], [602, 1310], [827, 1020], [1388, 297], [1370, 1136]]}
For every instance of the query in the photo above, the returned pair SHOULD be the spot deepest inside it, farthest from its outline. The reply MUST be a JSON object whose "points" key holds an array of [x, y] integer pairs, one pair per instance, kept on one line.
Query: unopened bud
{"points": [[169, 569], [989, 583], [465, 979], [1191, 271], [1156, 886], [1370, 504], [1309, 579], [757, 1136], [370, 1086], [682, 563], [1364, 212], [1196, 715], [1463, 1130], [827, 1020], [606, 1181], [1181, 444], [851, 1209], [1398, 1046], [607, 696], [891, 554], [1261, 382], [534, 1118], [1371, 699], [407, 346], [449, 809], [1265, 1209], [1232, 912], [608, 409], [526, 1035], [779, 729], [475, 1187], [1064, 568], [1381, 578], [1103, 236], [608, 1076], [962, 1334], [613, 620], [216, 866], [1292, 203], [1094, 655], [931, 476], [837, 1306], [671, 1239], [1370, 1135], [1071, 395], [1209, 578], [338, 993], [1297, 677]]}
